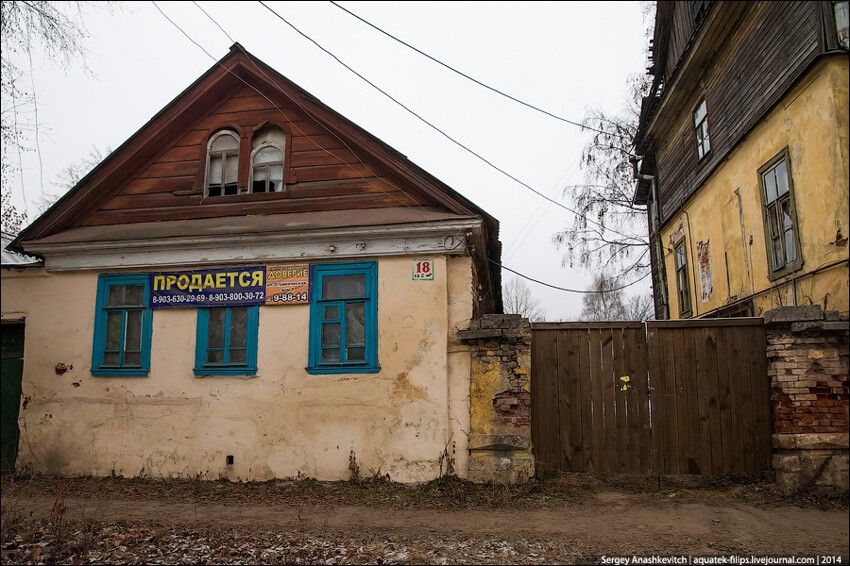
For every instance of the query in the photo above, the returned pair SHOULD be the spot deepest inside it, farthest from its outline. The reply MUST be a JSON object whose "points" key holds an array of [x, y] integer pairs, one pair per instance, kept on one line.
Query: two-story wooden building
{"points": [[744, 157], [250, 287]]}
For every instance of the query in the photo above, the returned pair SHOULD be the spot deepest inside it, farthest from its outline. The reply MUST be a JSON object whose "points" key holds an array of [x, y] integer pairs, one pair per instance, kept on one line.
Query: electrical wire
{"points": [[441, 132], [476, 81], [318, 145]]}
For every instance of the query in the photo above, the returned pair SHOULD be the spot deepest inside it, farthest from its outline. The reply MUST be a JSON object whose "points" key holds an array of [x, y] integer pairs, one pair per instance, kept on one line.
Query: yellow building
{"points": [[744, 146]]}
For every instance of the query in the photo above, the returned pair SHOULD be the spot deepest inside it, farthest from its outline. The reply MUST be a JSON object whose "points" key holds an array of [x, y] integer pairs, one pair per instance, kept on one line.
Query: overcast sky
{"points": [[565, 57]]}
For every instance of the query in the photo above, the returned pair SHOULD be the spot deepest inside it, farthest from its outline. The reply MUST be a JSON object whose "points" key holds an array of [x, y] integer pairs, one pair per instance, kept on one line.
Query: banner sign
{"points": [[240, 286], [288, 284]]}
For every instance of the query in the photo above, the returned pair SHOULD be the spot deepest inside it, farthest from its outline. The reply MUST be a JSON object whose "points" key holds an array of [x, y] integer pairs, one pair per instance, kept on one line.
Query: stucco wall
{"points": [[282, 422], [812, 122]]}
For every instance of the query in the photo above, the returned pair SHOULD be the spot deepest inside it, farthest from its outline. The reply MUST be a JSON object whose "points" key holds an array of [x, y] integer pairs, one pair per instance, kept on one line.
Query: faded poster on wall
{"points": [[704, 266]]}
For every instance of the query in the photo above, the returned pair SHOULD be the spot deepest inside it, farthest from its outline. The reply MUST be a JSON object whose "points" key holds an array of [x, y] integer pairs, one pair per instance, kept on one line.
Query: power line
{"points": [[441, 132], [580, 291], [473, 79], [330, 152]]}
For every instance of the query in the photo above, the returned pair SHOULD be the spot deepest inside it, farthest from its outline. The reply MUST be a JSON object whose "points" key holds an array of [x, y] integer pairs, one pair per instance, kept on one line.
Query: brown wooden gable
{"points": [[331, 164]]}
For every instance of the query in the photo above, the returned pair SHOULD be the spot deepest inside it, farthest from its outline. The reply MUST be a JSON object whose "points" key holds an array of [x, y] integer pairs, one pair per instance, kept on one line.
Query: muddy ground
{"points": [[560, 519]]}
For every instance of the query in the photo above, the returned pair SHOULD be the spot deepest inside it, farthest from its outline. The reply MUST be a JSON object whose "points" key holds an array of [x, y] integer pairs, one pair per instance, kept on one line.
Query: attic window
{"points": [[267, 160], [222, 164]]}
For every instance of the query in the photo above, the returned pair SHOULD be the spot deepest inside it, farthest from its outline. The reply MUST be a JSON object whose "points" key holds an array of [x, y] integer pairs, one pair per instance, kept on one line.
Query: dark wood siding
{"points": [[323, 173], [741, 79]]}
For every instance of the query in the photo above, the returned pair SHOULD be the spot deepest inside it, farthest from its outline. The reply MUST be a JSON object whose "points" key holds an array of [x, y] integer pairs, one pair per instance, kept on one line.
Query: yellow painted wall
{"points": [[282, 422], [812, 122]]}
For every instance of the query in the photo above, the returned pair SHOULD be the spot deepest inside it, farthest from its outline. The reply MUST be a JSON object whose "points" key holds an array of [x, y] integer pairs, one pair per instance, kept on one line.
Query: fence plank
{"points": [[587, 392], [620, 399], [595, 363], [715, 416], [703, 401], [574, 391], [761, 397], [610, 400], [658, 405], [725, 406]]}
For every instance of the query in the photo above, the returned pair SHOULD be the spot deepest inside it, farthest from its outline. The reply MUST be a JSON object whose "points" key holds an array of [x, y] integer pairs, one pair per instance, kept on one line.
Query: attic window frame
{"points": [[224, 155]]}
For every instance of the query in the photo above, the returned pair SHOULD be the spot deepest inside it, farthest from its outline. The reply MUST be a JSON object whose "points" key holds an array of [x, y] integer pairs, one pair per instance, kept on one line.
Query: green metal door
{"points": [[11, 372]]}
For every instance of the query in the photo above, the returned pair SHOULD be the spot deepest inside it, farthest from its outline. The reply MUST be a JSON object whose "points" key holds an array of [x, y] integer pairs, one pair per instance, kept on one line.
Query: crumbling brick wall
{"points": [[807, 355], [500, 399]]}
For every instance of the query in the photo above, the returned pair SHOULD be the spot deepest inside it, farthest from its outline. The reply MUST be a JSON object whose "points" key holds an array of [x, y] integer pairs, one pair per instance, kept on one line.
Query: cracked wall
{"points": [[282, 422]]}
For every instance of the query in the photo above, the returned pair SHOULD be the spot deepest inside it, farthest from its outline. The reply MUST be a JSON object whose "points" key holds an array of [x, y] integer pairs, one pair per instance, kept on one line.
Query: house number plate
{"points": [[423, 269]]}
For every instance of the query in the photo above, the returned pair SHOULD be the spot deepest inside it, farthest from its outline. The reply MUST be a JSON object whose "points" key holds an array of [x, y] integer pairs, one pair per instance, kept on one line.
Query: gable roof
{"points": [[234, 71], [72, 213]]}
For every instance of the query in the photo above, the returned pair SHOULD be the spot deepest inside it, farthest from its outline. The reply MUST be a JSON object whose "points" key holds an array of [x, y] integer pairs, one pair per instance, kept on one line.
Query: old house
{"points": [[744, 143], [250, 287]]}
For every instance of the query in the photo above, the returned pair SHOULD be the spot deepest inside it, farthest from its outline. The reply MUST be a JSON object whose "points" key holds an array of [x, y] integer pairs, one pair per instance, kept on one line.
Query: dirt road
{"points": [[164, 522]]}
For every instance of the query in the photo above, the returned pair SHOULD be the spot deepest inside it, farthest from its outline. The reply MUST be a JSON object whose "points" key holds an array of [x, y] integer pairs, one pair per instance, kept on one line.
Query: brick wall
{"points": [[500, 399], [807, 355]]}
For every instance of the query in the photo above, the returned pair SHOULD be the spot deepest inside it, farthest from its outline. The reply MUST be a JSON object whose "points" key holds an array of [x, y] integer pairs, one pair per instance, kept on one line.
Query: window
{"points": [[222, 164], [780, 216], [226, 342], [343, 318], [267, 160], [682, 284], [122, 326], [701, 127]]}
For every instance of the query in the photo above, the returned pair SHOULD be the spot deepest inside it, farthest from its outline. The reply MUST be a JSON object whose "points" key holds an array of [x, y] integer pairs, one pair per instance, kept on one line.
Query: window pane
{"points": [[215, 330], [224, 143], [132, 359], [237, 357], [330, 335], [231, 169], [126, 295], [355, 324], [110, 359], [706, 145], [790, 246], [331, 312], [268, 155], [680, 256], [275, 178], [778, 256], [238, 327], [113, 330], [700, 113], [133, 339], [215, 356], [330, 355], [781, 178], [215, 170], [787, 222], [343, 286], [357, 354], [258, 184], [770, 185], [773, 220]]}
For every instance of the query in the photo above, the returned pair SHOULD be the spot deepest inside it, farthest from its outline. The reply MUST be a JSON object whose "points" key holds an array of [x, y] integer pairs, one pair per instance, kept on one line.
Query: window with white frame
{"points": [[222, 164], [267, 160]]}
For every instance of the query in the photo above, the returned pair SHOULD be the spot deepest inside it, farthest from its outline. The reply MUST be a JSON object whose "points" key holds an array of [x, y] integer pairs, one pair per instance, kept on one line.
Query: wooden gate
{"points": [[668, 397]]}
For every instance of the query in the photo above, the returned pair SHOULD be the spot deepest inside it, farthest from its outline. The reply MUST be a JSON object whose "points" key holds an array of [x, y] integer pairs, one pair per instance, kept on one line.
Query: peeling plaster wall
{"points": [[282, 422], [726, 212]]}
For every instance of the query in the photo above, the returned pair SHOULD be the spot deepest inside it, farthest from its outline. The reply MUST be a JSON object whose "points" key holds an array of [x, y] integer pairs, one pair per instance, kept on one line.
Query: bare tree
{"points": [[604, 302], [640, 307], [517, 299], [12, 220], [609, 233], [55, 29]]}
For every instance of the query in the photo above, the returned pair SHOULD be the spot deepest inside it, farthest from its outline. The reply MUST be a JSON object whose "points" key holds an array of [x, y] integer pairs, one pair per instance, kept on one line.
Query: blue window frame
{"points": [[344, 318], [226, 342], [122, 326]]}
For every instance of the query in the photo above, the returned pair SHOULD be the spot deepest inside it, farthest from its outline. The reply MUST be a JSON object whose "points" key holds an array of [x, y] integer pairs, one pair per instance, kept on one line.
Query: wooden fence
{"points": [[668, 397]]}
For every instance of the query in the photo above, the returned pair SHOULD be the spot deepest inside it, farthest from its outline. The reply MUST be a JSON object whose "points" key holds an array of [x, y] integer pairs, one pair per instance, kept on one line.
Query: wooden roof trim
{"points": [[201, 96]]}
